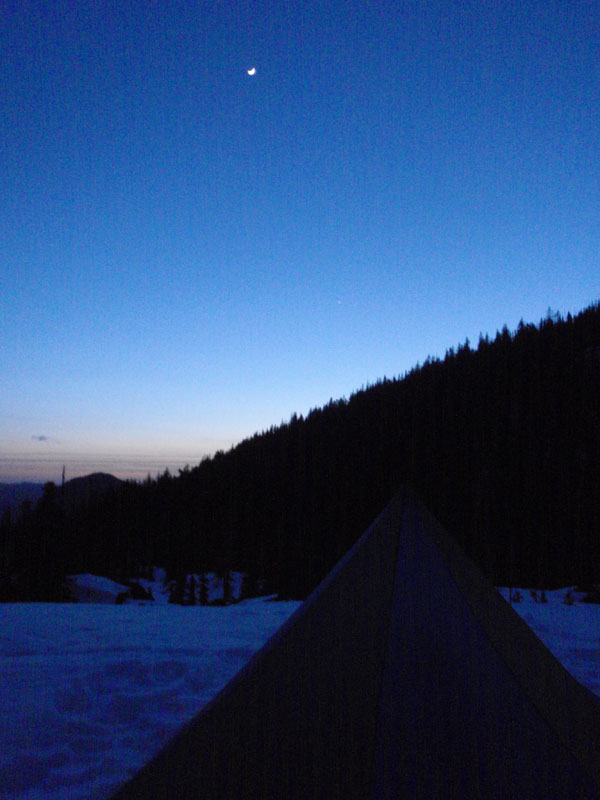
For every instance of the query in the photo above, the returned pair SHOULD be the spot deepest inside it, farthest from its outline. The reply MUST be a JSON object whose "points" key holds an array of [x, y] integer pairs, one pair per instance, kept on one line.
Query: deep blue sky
{"points": [[189, 254]]}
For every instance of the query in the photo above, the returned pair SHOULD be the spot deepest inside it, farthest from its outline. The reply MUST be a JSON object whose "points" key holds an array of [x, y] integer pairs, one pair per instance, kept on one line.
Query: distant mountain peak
{"points": [[95, 478], [79, 489]]}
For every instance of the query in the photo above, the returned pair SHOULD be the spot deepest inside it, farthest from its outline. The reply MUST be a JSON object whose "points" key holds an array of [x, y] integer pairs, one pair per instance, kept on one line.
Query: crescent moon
{"points": [[252, 71]]}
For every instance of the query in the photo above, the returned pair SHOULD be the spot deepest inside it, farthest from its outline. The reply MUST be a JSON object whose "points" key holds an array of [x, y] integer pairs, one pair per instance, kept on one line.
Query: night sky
{"points": [[190, 254]]}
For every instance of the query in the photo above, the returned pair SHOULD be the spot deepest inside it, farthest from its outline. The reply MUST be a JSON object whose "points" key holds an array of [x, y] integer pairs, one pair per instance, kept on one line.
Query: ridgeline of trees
{"points": [[501, 441]]}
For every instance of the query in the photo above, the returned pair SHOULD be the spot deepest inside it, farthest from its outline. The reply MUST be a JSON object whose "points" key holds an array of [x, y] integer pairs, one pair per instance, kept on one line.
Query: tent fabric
{"points": [[473, 705], [403, 675]]}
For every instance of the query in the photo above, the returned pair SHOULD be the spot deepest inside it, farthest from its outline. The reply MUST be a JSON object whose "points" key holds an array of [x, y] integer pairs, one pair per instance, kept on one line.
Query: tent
{"points": [[403, 675]]}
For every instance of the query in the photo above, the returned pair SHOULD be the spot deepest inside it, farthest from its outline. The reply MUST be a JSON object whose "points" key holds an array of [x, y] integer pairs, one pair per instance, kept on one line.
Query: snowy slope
{"points": [[570, 631], [88, 588], [90, 692]]}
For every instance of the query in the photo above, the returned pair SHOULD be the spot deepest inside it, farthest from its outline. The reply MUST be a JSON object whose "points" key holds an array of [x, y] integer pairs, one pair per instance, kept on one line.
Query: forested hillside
{"points": [[501, 440]]}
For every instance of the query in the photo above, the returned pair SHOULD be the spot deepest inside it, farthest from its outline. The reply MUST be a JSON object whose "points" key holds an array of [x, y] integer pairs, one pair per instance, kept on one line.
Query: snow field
{"points": [[90, 692], [570, 632]]}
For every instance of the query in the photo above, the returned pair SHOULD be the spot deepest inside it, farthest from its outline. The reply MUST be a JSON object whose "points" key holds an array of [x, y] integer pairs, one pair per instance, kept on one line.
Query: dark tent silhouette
{"points": [[403, 675]]}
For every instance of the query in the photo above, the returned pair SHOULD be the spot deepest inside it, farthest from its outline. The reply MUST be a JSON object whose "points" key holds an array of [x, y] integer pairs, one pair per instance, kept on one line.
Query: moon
{"points": [[252, 71]]}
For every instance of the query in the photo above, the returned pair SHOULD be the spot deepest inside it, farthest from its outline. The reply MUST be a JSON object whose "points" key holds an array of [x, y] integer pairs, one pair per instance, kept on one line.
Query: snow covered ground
{"points": [[570, 632], [88, 692]]}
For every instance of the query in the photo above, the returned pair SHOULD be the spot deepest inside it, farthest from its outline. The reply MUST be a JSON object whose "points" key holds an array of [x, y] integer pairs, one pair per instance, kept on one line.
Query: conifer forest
{"points": [[500, 439]]}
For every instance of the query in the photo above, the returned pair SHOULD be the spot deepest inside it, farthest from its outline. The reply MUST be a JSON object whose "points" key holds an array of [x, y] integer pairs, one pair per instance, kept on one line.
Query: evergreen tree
{"points": [[204, 589], [191, 591], [177, 590]]}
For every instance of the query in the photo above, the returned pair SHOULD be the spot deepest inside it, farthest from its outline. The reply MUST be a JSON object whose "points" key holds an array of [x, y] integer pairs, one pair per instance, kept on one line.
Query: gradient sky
{"points": [[189, 254]]}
